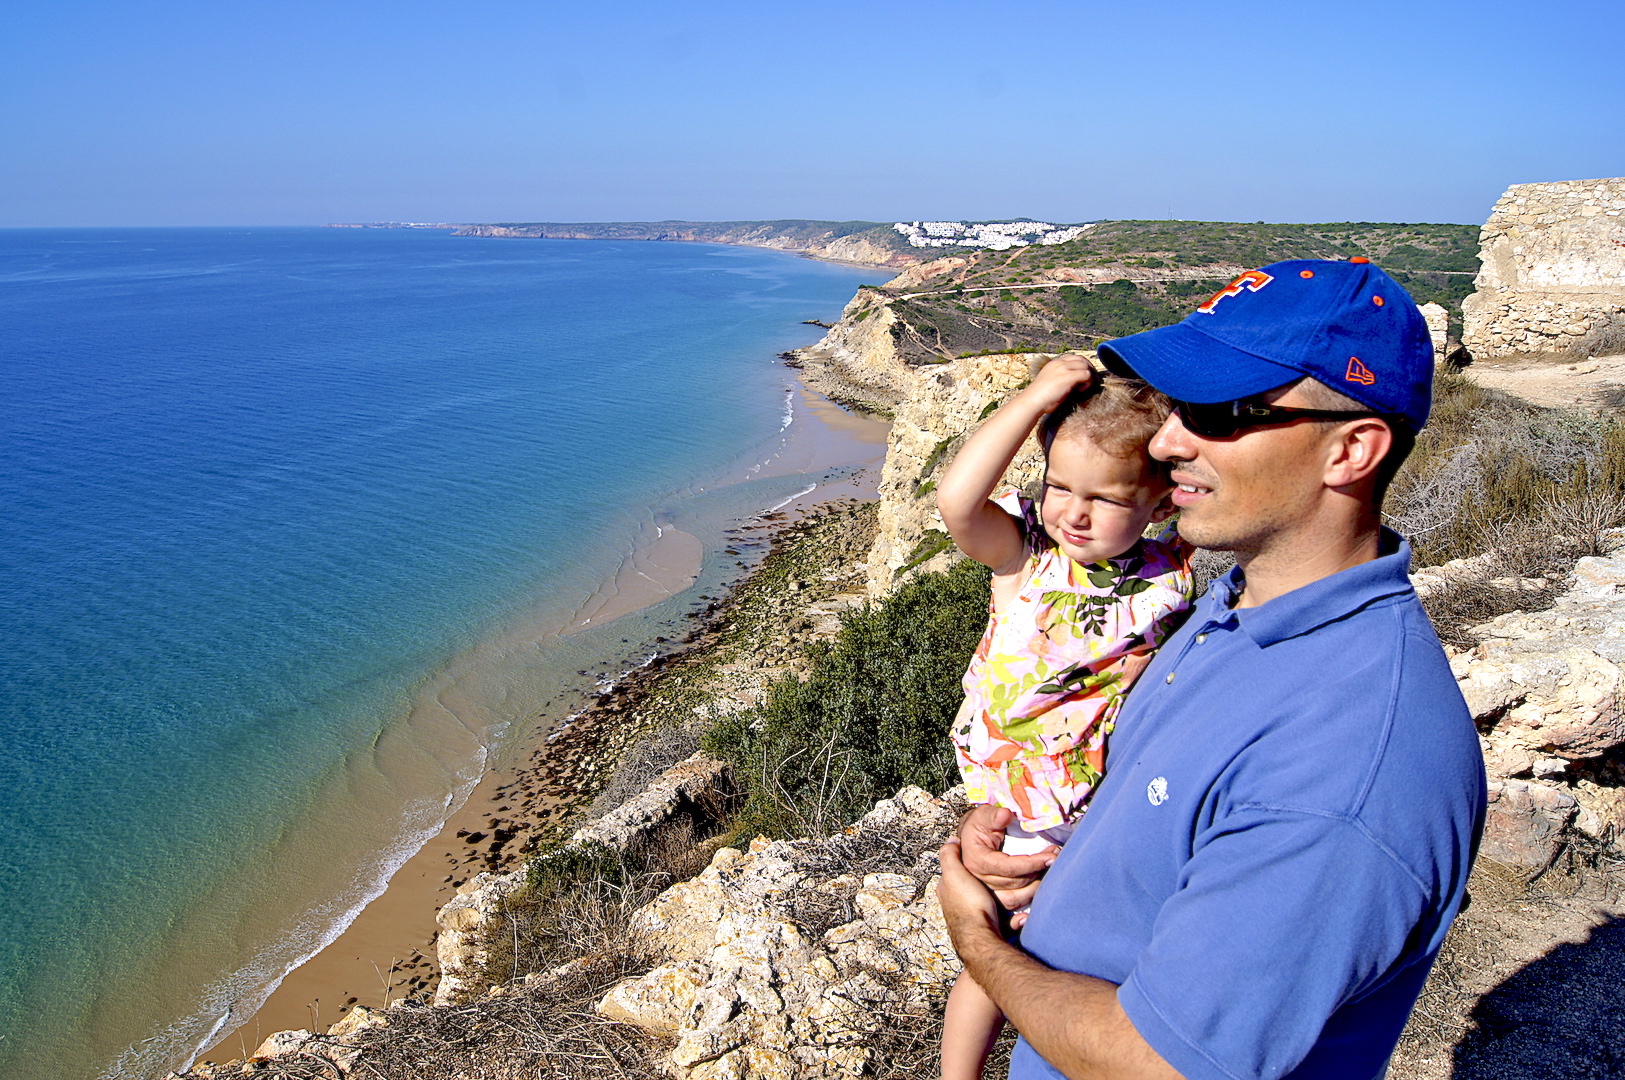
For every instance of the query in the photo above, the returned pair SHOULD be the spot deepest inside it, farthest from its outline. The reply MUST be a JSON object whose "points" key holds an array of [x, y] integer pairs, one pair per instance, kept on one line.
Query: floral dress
{"points": [[1048, 678]]}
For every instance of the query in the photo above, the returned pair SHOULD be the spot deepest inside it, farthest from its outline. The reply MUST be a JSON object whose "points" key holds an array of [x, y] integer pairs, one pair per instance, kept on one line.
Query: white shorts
{"points": [[1018, 841]]}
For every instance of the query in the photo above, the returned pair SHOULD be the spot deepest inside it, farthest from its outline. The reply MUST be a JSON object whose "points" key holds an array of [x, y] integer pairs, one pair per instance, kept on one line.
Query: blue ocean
{"points": [[284, 517]]}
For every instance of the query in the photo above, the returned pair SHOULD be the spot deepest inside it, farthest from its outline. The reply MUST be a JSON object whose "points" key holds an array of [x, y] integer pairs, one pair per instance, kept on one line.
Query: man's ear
{"points": [[1164, 510], [1359, 448]]}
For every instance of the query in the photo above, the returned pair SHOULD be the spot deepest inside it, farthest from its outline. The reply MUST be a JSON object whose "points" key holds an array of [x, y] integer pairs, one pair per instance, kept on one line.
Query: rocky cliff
{"points": [[1553, 272], [792, 958], [1545, 689], [866, 242], [944, 405], [795, 958]]}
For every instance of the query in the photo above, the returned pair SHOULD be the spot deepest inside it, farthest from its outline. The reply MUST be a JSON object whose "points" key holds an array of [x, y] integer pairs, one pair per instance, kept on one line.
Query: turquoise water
{"points": [[282, 511]]}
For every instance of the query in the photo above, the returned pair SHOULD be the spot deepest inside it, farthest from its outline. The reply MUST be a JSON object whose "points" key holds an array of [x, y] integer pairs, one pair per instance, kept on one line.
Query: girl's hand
{"points": [[1058, 378]]}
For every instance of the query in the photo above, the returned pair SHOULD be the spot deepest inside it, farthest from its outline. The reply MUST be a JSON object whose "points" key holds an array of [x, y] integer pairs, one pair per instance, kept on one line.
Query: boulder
{"points": [[1546, 691], [782, 962], [1525, 822], [690, 785]]}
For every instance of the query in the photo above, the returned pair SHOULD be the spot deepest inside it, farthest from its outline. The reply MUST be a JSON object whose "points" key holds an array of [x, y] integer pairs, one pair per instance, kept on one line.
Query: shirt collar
{"points": [[1320, 602]]}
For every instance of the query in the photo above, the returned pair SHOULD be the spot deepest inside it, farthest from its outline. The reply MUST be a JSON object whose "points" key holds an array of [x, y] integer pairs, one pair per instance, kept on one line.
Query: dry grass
{"points": [[1532, 488], [1488, 460], [1608, 339], [546, 1031]]}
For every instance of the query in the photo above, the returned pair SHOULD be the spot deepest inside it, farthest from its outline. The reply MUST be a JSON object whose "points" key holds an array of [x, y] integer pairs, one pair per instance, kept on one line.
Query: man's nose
{"points": [[1172, 442]]}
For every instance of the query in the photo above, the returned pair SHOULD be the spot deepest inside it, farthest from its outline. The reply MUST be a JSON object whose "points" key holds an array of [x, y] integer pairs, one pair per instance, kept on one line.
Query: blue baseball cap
{"points": [[1346, 324]]}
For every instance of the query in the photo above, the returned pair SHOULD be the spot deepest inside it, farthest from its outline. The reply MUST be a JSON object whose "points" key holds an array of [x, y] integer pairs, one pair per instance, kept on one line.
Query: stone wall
{"points": [[1553, 274]]}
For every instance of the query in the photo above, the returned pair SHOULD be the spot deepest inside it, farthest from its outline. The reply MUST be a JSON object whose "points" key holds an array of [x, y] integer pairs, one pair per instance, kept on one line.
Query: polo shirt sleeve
{"points": [[1280, 918]]}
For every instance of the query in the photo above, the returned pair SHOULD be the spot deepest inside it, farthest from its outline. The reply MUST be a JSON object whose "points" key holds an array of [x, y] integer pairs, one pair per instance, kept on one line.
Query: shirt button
{"points": [[1170, 678], [1201, 639]]}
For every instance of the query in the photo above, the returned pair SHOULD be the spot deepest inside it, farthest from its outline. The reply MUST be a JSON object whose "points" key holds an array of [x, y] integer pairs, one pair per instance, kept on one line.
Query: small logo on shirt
{"points": [[1157, 791]]}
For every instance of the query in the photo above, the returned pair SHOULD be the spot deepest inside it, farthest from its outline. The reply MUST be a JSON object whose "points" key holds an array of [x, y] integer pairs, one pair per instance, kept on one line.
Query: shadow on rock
{"points": [[1560, 1018]]}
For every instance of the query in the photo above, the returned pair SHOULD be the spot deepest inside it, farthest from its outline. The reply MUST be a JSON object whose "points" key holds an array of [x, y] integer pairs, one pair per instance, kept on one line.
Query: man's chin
{"points": [[1209, 535]]}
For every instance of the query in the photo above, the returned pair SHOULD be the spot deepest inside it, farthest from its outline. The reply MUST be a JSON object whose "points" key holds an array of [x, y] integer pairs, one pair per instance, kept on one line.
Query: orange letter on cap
{"points": [[1359, 373], [1252, 281]]}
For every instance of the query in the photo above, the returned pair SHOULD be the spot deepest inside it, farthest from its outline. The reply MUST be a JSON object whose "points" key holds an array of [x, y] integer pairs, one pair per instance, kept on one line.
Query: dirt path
{"points": [[1594, 384], [1531, 983]]}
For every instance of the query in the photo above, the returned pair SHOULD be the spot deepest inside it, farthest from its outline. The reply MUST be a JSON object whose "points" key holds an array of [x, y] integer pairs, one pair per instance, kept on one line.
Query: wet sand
{"points": [[386, 954], [662, 564]]}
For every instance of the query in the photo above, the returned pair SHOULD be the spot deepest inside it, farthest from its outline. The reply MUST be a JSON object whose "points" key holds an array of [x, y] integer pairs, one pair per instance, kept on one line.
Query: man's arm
{"points": [[1073, 1021]]}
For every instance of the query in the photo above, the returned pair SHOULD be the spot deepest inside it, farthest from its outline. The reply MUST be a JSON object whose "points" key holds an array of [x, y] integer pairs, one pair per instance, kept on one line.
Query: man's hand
{"points": [[1013, 878], [968, 906], [1073, 1021]]}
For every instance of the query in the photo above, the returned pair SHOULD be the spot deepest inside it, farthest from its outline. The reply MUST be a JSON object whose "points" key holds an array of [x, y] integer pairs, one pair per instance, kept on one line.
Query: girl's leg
{"points": [[970, 1027]]}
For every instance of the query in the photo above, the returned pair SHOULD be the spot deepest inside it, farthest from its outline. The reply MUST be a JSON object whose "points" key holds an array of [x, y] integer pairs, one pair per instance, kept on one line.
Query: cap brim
{"points": [[1188, 365]]}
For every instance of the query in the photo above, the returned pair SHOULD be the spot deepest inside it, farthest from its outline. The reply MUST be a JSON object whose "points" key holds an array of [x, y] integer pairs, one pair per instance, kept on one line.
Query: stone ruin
{"points": [[1553, 274]]}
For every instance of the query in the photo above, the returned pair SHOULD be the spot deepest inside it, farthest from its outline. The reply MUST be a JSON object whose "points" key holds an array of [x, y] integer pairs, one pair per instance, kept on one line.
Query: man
{"points": [[1294, 791]]}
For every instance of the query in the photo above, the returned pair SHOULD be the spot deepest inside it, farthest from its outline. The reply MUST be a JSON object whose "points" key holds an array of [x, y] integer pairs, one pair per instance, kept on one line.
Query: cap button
{"points": [[1358, 259]]}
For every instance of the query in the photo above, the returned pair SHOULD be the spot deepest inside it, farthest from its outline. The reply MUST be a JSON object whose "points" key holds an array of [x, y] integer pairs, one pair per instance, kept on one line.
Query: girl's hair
{"points": [[1118, 415]]}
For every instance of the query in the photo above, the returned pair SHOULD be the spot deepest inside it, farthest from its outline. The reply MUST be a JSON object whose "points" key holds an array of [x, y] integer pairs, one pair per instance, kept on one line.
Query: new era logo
{"points": [[1359, 373]]}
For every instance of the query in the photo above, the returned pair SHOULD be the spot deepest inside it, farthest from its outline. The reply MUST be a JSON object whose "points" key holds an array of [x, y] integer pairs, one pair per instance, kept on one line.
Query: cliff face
{"points": [[856, 362], [934, 408], [945, 404], [1553, 274]]}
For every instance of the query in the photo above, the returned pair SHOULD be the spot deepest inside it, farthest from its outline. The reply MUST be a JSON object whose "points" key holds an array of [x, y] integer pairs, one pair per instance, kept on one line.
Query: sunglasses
{"points": [[1223, 419]]}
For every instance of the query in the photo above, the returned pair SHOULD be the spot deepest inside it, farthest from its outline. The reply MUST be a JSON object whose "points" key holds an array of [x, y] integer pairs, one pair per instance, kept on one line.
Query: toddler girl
{"points": [[1080, 602]]}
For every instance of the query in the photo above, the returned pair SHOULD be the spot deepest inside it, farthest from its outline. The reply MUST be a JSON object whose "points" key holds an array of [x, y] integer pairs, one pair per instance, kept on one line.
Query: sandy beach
{"points": [[386, 953]]}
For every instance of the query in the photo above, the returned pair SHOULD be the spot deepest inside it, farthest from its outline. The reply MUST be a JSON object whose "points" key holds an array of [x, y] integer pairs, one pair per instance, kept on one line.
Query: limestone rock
{"points": [[1545, 689], [469, 919], [687, 786], [660, 1001], [283, 1043], [782, 962], [946, 403], [1553, 272], [1438, 321], [1549, 683], [1525, 821], [357, 1019], [466, 924]]}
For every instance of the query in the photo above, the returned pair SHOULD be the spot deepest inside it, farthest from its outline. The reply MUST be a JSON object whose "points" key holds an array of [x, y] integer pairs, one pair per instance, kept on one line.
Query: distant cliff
{"points": [[871, 243]]}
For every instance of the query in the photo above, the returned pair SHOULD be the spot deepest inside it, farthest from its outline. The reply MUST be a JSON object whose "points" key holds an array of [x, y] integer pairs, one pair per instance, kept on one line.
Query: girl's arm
{"points": [[981, 529]]}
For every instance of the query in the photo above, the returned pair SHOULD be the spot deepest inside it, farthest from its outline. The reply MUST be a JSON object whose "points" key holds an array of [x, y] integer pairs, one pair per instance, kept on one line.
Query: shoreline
{"points": [[546, 775]]}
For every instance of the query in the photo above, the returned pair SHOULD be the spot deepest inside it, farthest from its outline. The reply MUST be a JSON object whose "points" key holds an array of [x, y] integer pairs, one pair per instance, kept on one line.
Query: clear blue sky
{"points": [[211, 112]]}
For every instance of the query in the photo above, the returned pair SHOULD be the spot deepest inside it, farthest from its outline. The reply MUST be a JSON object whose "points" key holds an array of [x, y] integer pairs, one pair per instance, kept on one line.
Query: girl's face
{"points": [[1095, 505]]}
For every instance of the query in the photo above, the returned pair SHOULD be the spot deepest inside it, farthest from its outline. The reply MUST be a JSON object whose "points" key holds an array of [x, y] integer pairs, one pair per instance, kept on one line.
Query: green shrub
{"points": [[871, 716]]}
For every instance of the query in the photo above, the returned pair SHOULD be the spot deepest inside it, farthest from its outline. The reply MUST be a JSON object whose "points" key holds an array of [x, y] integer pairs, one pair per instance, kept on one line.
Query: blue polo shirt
{"points": [[1292, 802]]}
